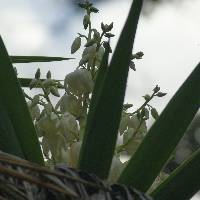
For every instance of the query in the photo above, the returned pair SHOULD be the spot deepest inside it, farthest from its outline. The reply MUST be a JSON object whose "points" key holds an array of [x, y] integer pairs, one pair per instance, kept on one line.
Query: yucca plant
{"points": [[23, 175]]}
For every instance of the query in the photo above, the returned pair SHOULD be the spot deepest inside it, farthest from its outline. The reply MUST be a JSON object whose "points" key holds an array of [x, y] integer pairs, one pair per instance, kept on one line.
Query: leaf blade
{"points": [[7, 133], [103, 129], [13, 100], [30, 59]]}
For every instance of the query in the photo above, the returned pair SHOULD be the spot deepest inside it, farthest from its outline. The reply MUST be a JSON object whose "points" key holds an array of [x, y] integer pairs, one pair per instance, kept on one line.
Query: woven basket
{"points": [[20, 180]]}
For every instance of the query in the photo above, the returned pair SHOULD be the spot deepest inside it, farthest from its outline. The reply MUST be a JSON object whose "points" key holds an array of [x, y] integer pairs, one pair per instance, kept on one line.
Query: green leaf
{"points": [[13, 101], [25, 82], [164, 135], [30, 59], [183, 183], [8, 140], [94, 101], [101, 132]]}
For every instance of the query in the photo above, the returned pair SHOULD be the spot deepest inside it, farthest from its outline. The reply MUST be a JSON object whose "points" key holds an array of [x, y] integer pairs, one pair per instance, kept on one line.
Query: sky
{"points": [[169, 36]]}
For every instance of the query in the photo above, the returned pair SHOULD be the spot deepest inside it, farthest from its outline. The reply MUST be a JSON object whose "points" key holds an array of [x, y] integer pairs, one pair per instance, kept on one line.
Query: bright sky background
{"points": [[169, 38]]}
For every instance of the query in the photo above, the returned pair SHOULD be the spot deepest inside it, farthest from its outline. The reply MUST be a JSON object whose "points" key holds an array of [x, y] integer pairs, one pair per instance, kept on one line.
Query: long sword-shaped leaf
{"points": [[164, 135], [100, 138], [95, 95], [30, 59], [13, 100], [183, 183], [25, 82], [8, 140]]}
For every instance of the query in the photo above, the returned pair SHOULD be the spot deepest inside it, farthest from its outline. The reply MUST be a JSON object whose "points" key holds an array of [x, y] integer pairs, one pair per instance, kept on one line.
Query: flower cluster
{"points": [[60, 126]]}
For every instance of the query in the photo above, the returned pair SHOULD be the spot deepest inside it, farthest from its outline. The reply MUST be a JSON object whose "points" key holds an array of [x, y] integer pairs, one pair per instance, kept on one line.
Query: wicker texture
{"points": [[22, 180]]}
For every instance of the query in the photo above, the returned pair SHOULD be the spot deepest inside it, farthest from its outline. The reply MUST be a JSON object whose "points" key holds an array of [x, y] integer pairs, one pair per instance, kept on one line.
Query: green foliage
{"points": [[30, 59], [8, 139], [16, 113], [183, 183]]}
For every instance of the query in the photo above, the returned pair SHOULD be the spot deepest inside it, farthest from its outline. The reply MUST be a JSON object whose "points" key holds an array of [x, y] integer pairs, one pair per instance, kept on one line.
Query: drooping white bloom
{"points": [[125, 120], [99, 56], [69, 103], [79, 82], [48, 124], [74, 153], [91, 50], [134, 122], [131, 142], [34, 110], [68, 126]]}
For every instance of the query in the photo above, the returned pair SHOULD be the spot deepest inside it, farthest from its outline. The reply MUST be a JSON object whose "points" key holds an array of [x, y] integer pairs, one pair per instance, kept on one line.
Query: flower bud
{"points": [[154, 113], [96, 36], [132, 65], [48, 75], [110, 27], [75, 45], [94, 10], [138, 55], [147, 97], [156, 89], [37, 74], [160, 94], [86, 21]]}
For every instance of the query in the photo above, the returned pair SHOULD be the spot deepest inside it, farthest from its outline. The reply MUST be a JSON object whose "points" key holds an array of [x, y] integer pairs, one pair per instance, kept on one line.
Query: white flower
{"points": [[79, 82], [133, 142], [134, 123], [76, 45], [116, 169], [34, 110], [99, 56], [125, 120], [74, 153], [69, 103], [64, 157], [90, 51], [48, 124], [68, 127]]}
